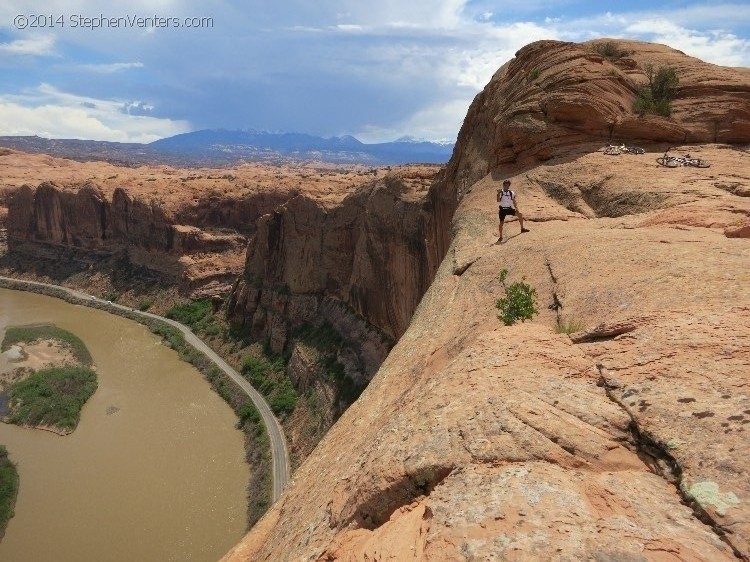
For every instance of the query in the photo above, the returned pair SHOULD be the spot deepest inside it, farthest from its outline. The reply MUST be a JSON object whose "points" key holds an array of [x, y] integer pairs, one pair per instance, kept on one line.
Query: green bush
{"points": [[52, 396], [170, 334], [190, 313], [609, 50], [519, 302], [269, 378], [144, 305], [533, 74], [656, 96], [8, 489]]}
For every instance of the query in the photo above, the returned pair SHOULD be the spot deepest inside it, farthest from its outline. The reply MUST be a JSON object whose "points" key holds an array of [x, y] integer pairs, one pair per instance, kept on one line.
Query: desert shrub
{"points": [[533, 74], [609, 50], [190, 313], [144, 305], [8, 488], [52, 396], [568, 326], [656, 96], [268, 376], [519, 302]]}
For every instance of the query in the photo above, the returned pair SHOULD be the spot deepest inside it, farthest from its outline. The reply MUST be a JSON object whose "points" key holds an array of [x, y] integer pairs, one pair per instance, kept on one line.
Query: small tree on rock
{"points": [[519, 302]]}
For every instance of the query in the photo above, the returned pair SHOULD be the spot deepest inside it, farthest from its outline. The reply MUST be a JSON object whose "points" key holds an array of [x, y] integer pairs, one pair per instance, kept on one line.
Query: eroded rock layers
{"points": [[625, 440], [49, 220]]}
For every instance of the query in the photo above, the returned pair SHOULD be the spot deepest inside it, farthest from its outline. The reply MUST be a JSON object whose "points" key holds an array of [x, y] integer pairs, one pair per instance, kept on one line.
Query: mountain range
{"points": [[223, 147]]}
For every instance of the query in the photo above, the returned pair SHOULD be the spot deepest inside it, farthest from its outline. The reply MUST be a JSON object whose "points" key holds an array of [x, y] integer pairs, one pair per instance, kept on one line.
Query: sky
{"points": [[140, 70]]}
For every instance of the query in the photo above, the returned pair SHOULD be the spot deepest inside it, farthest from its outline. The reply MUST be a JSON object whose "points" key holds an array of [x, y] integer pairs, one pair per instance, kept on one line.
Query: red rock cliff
{"points": [[624, 441], [50, 219], [376, 253]]}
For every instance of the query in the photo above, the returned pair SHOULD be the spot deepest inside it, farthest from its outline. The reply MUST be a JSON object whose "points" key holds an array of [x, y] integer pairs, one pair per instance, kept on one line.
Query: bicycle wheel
{"points": [[699, 163], [635, 150], [612, 150], [667, 161]]}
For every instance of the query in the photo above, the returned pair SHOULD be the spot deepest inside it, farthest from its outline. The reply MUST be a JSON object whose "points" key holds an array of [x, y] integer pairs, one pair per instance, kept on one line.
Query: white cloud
{"points": [[35, 46], [109, 68], [719, 47], [438, 122], [48, 112]]}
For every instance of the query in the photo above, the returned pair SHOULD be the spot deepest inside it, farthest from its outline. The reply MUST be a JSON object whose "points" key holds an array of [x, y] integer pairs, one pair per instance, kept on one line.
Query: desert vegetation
{"points": [[519, 302], [8, 489], [610, 50], [51, 397], [657, 94]]}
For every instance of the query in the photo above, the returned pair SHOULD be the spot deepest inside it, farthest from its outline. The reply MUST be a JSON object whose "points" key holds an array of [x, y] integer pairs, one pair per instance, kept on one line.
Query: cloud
{"points": [[137, 108], [48, 112], [329, 67], [109, 68], [438, 122], [43, 46]]}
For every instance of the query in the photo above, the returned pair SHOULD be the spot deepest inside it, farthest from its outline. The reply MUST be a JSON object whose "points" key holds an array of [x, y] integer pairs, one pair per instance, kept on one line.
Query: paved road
{"points": [[276, 434]]}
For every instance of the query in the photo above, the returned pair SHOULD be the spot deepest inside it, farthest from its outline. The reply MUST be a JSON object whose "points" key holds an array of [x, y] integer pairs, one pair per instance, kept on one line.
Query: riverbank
{"points": [[268, 475], [156, 455], [8, 489]]}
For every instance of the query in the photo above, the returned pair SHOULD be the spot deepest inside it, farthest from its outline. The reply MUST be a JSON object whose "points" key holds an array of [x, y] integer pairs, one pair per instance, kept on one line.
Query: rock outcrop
{"points": [[189, 225], [48, 221], [375, 253], [623, 441], [554, 96], [357, 269]]}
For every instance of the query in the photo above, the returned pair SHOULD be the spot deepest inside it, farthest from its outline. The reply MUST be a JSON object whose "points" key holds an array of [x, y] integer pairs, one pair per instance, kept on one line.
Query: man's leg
{"points": [[520, 221], [500, 228]]}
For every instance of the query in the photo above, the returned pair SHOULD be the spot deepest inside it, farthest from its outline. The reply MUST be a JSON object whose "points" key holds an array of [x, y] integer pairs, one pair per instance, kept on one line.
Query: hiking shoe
{"points": [[524, 230]]}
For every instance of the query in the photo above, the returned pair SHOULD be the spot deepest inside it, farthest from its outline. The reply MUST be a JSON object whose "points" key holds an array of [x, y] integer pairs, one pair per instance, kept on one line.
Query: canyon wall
{"points": [[375, 253], [356, 270], [50, 221]]}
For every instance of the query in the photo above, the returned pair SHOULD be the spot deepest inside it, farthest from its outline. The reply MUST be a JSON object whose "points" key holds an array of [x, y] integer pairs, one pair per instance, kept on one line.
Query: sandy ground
{"points": [[32, 357]]}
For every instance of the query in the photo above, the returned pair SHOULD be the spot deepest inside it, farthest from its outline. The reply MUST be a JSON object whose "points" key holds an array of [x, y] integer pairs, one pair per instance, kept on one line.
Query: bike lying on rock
{"points": [[677, 161], [616, 150]]}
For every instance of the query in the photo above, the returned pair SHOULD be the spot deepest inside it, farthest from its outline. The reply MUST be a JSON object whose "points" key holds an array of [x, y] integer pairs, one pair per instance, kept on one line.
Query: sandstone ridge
{"points": [[625, 440]]}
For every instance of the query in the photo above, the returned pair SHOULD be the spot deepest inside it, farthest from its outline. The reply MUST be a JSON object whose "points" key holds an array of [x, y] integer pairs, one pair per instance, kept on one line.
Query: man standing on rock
{"points": [[508, 206]]}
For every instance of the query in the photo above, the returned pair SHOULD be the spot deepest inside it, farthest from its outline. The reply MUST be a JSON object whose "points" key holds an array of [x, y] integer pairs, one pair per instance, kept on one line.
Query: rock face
{"points": [[355, 270], [50, 219], [553, 96], [625, 440], [375, 253], [187, 224]]}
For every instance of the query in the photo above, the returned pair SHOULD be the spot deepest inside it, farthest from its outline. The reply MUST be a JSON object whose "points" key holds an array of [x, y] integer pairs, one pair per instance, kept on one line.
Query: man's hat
{"points": [[506, 182]]}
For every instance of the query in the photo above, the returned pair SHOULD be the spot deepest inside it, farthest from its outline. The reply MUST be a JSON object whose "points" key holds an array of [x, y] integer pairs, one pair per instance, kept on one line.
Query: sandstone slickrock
{"points": [[626, 441]]}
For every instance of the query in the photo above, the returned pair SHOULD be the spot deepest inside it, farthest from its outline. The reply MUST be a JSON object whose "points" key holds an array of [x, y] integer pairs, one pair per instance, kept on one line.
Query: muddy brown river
{"points": [[155, 470]]}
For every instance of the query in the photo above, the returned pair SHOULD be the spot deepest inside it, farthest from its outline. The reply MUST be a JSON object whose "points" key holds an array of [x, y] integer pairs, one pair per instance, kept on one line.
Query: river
{"points": [[154, 471]]}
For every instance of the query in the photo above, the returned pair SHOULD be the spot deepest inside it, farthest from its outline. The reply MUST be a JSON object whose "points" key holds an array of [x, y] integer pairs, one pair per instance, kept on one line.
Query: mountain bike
{"points": [[676, 161]]}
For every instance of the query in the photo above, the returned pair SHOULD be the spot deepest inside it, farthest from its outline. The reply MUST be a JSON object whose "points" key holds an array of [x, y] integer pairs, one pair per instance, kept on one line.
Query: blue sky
{"points": [[332, 67]]}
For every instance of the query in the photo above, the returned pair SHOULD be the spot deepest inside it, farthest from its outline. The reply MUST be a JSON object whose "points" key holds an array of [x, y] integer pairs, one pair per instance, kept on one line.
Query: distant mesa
{"points": [[210, 147]]}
